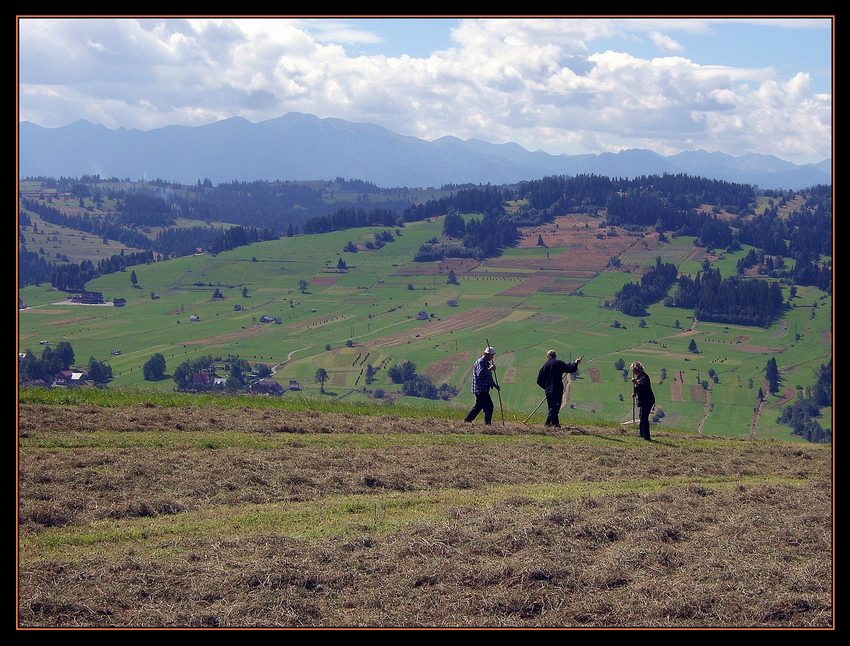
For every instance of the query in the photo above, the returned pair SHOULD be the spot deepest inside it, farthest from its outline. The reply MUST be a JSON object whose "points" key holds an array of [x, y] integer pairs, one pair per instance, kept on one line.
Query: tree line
{"points": [[680, 191], [72, 277], [728, 300], [634, 298], [802, 413], [54, 360]]}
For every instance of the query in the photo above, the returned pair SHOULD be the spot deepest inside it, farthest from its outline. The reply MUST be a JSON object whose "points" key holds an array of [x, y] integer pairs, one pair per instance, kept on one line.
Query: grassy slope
{"points": [[75, 245], [238, 512], [371, 303]]}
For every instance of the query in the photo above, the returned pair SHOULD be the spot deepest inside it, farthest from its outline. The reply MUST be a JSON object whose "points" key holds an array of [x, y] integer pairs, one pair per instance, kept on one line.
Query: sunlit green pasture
{"points": [[369, 314]]}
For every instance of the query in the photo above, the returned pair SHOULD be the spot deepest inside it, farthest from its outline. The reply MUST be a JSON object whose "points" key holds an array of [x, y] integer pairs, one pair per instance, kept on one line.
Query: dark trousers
{"points": [[482, 402], [644, 421], [553, 401]]}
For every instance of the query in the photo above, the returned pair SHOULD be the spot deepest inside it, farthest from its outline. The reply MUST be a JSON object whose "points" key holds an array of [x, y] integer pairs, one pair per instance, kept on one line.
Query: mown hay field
{"points": [[144, 515]]}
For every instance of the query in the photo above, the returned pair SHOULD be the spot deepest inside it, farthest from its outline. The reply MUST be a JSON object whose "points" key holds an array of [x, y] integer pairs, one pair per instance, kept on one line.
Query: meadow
{"points": [[173, 511], [526, 301], [139, 506]]}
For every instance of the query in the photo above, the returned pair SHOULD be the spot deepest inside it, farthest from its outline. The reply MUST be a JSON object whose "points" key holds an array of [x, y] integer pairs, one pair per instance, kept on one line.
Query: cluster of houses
{"points": [[89, 298], [62, 379], [202, 381], [94, 298]]}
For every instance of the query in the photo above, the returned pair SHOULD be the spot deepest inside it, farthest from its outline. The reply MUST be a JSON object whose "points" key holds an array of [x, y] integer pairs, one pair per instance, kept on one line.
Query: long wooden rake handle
{"points": [[534, 411], [498, 390]]}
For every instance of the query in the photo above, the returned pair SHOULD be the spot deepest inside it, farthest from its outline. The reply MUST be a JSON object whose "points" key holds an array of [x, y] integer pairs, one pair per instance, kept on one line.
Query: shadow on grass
{"points": [[573, 430], [664, 443]]}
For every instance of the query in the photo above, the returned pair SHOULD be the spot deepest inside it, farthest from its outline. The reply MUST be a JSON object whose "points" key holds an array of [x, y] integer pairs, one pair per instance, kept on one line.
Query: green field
{"points": [[375, 303]]}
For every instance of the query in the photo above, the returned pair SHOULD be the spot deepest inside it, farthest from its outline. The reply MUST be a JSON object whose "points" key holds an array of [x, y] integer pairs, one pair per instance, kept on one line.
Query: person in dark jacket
{"points": [[482, 382], [551, 379], [643, 394]]}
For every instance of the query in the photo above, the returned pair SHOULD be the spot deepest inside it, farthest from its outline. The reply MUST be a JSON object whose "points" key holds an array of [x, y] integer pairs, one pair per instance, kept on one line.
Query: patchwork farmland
{"points": [[527, 300]]}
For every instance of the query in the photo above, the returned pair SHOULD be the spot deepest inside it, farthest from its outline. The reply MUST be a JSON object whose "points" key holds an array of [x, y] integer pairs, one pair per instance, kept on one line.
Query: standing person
{"points": [[551, 379], [643, 394], [482, 382]]}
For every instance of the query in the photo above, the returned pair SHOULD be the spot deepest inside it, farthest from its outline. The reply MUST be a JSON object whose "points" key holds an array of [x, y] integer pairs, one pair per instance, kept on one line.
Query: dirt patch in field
{"points": [[698, 394], [338, 379], [587, 247], [530, 286], [324, 281], [594, 375], [563, 286], [475, 317], [826, 337], [441, 371], [676, 394], [509, 376], [742, 337]]}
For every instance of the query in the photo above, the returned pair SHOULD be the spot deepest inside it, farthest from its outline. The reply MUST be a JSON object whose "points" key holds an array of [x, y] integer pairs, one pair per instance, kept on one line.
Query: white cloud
{"points": [[530, 81], [665, 42]]}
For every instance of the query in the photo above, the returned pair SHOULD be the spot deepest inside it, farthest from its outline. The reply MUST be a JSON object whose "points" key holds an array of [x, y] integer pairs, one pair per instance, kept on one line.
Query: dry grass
{"points": [[340, 520]]}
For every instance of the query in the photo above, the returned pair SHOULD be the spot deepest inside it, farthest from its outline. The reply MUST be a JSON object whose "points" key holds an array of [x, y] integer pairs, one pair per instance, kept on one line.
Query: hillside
{"points": [[526, 300], [244, 513]]}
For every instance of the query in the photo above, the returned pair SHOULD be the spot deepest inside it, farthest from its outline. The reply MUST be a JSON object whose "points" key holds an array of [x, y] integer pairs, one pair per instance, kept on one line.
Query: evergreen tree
{"points": [[99, 372], [400, 373], [370, 373], [154, 368], [66, 354], [772, 374], [236, 379]]}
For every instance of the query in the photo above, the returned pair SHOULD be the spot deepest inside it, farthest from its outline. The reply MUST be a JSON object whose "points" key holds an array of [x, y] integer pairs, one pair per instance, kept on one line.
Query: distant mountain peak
{"points": [[302, 146]]}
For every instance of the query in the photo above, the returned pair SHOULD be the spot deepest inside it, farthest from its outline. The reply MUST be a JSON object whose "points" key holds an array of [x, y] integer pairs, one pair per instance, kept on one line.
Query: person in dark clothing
{"points": [[482, 382], [551, 379], [643, 394]]}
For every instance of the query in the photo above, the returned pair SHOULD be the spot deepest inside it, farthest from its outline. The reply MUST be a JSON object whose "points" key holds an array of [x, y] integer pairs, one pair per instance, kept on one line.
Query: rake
{"points": [[498, 388], [525, 421]]}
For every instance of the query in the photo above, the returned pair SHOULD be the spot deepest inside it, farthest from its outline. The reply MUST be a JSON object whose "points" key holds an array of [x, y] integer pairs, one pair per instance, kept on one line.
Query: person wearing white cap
{"points": [[551, 379], [482, 382]]}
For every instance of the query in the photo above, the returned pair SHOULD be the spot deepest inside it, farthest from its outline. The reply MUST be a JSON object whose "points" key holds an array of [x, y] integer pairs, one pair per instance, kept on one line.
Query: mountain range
{"points": [[299, 146]]}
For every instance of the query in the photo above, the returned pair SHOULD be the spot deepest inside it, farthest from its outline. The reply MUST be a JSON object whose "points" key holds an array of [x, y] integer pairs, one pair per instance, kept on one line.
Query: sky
{"points": [[561, 85]]}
